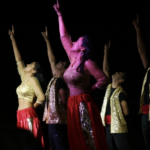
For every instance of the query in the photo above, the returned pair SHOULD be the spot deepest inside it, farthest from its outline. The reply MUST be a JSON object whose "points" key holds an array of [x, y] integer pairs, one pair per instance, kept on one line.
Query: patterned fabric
{"points": [[85, 130], [86, 125], [54, 112], [118, 123]]}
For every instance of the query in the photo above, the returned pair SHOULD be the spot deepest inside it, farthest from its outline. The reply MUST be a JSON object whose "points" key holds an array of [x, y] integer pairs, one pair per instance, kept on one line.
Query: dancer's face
{"points": [[77, 46], [30, 67], [118, 76]]}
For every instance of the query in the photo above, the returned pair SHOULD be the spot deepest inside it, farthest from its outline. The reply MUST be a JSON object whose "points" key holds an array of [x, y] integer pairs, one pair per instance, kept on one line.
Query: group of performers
{"points": [[73, 119]]}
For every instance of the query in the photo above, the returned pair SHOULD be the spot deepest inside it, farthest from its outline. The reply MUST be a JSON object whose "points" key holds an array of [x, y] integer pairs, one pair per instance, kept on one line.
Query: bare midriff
{"points": [[23, 104]]}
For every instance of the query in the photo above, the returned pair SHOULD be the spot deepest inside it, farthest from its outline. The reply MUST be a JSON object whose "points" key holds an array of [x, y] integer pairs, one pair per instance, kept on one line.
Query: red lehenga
{"points": [[85, 130], [27, 119]]}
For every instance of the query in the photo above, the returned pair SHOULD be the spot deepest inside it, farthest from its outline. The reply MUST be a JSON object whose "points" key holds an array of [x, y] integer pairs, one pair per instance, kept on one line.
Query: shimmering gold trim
{"points": [[142, 94], [30, 124], [54, 112], [118, 123], [86, 126]]}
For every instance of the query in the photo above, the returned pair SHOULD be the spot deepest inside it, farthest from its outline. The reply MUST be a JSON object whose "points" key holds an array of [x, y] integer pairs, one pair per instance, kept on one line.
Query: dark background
{"points": [[102, 20]]}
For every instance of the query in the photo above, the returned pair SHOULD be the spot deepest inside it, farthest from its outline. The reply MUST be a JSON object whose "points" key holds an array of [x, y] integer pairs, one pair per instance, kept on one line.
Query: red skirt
{"points": [[27, 119], [83, 118]]}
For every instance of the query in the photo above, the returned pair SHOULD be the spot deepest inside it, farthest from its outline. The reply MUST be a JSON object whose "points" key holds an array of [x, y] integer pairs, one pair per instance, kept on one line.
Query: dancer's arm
{"points": [[38, 91], [140, 43], [125, 109], [98, 74], [64, 35], [18, 58], [105, 61], [50, 54]]}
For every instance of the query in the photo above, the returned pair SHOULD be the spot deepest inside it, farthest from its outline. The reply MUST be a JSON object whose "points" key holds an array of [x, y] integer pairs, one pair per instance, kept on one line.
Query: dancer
{"points": [[144, 101], [114, 109], [85, 130], [27, 91], [55, 112]]}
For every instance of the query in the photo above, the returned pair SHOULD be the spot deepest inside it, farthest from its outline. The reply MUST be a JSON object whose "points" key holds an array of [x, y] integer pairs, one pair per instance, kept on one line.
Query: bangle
{"points": [[59, 15], [39, 102]]}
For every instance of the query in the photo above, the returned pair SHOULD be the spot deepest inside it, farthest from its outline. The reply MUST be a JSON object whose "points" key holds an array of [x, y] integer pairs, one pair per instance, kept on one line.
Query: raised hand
{"points": [[57, 8], [136, 22], [45, 34], [11, 33], [107, 47]]}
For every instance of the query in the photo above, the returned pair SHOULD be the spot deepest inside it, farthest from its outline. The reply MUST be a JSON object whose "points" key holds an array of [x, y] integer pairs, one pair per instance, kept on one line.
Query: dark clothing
{"points": [[146, 130], [60, 83], [146, 89], [58, 137], [122, 96], [116, 141]]}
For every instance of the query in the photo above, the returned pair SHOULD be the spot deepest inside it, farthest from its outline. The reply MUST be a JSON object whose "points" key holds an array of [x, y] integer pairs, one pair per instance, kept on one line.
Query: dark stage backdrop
{"points": [[102, 20]]}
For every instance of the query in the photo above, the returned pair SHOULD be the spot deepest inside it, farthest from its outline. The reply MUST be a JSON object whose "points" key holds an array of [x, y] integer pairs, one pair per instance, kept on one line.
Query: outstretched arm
{"points": [[51, 56], [65, 38], [105, 61], [15, 48], [18, 58], [140, 43]]}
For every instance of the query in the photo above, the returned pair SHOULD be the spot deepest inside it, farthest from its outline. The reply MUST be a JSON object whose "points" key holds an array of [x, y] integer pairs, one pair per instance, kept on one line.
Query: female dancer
{"points": [[85, 130], [145, 100], [55, 112], [115, 109], [27, 91]]}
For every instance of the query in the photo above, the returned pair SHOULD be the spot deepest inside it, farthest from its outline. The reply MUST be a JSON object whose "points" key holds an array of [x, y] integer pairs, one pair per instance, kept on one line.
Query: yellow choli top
{"points": [[25, 91]]}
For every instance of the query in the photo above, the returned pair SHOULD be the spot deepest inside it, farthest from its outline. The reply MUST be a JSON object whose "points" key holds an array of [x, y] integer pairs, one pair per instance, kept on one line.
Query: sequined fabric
{"points": [[86, 126], [142, 94], [118, 123], [54, 112], [30, 124]]}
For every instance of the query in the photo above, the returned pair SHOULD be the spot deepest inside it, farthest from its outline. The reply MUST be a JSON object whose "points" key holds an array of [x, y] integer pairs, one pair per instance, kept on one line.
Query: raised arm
{"points": [[50, 54], [140, 43], [18, 58], [105, 61], [97, 73], [64, 35], [15, 48]]}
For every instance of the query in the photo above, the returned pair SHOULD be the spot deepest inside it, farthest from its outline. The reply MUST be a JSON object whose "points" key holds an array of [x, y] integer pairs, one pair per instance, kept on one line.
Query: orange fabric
{"points": [[75, 134], [22, 123]]}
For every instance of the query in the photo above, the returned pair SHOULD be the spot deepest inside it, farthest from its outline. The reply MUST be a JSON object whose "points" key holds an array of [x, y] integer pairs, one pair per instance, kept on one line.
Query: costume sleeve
{"points": [[38, 90], [21, 67], [60, 83], [98, 74], [122, 97], [67, 44]]}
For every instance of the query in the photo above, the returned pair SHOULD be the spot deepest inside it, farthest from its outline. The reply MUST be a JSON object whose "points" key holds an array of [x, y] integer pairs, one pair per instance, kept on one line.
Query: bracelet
{"points": [[59, 15], [39, 102]]}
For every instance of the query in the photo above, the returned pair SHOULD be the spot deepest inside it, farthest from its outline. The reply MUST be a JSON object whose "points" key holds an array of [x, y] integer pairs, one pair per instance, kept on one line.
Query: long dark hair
{"points": [[40, 76], [86, 43]]}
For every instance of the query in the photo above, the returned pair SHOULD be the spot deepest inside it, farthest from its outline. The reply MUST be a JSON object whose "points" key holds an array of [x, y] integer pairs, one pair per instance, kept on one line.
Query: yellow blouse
{"points": [[25, 90]]}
